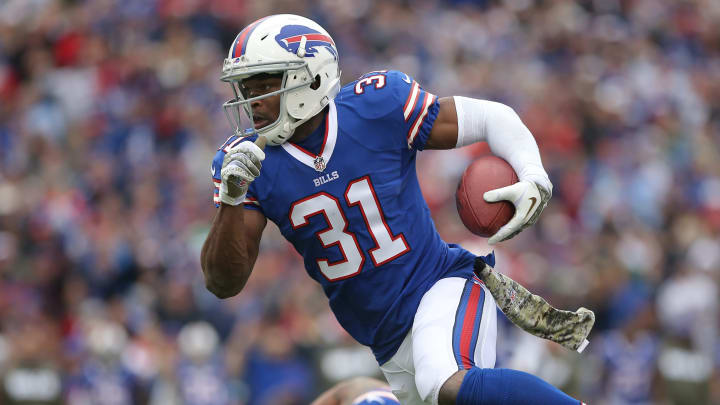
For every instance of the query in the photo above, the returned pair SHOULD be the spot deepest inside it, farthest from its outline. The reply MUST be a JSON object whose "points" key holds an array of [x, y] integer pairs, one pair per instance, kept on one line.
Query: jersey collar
{"points": [[308, 158]]}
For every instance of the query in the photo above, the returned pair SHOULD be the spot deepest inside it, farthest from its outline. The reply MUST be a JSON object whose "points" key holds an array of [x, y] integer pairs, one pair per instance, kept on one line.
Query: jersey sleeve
{"points": [[251, 201], [403, 102]]}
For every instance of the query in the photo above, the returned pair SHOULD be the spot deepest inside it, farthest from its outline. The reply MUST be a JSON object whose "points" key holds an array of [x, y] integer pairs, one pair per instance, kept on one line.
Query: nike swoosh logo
{"points": [[534, 201], [212, 170], [407, 78]]}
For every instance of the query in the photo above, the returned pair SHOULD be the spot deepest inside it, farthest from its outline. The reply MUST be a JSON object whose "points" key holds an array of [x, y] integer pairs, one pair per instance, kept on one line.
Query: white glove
{"points": [[529, 200], [240, 167]]}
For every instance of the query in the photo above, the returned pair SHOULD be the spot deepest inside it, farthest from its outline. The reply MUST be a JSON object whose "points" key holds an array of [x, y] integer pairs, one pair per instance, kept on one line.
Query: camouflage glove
{"points": [[532, 313]]}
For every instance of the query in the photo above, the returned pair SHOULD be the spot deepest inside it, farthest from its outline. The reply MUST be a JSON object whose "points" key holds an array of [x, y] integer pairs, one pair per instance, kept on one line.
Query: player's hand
{"points": [[529, 200], [240, 167]]}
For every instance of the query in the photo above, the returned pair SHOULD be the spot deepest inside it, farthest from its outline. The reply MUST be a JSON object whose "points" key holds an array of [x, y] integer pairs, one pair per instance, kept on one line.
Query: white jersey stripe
{"points": [[250, 200], [429, 100], [411, 101], [233, 144]]}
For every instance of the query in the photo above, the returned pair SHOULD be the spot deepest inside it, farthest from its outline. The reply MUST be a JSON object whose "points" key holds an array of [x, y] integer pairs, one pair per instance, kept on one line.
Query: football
{"points": [[484, 174]]}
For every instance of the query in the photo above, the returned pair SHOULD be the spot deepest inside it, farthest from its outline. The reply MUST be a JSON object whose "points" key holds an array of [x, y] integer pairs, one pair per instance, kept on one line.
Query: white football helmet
{"points": [[294, 46]]}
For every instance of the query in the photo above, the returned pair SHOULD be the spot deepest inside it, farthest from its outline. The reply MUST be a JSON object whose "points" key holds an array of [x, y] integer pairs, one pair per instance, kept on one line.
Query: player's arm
{"points": [[506, 133], [463, 121], [444, 133], [231, 248], [343, 393], [531, 312]]}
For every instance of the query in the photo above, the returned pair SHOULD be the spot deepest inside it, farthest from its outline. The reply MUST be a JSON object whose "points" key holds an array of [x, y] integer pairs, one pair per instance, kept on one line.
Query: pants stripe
{"points": [[467, 324], [480, 293]]}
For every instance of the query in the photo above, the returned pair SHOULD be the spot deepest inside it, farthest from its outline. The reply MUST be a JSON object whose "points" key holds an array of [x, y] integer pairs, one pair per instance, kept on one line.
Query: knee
{"points": [[449, 390]]}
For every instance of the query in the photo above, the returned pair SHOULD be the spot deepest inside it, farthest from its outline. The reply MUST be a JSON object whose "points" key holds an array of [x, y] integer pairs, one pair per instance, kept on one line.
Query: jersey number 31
{"points": [[359, 192]]}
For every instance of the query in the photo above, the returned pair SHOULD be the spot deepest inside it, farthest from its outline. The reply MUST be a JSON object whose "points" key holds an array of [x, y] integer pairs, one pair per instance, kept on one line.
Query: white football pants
{"points": [[455, 328]]}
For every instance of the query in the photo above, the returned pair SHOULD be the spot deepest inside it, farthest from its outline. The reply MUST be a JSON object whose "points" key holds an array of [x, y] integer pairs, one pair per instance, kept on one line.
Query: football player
{"points": [[338, 179]]}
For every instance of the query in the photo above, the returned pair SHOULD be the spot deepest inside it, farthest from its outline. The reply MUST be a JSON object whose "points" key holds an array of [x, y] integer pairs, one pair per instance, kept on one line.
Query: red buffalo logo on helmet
{"points": [[291, 35]]}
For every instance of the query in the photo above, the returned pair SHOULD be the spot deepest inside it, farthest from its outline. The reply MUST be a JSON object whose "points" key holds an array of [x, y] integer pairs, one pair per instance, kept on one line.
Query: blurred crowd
{"points": [[110, 115]]}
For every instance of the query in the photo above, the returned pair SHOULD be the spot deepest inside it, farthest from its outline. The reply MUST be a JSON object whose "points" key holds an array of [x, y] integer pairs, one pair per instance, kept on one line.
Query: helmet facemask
{"points": [[238, 110]]}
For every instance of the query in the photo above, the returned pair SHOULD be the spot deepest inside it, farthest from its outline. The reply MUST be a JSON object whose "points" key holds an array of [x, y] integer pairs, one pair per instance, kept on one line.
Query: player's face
{"points": [[266, 110]]}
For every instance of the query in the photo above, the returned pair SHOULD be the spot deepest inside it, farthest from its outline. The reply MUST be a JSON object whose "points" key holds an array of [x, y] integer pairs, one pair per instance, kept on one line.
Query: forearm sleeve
{"points": [[499, 126]]}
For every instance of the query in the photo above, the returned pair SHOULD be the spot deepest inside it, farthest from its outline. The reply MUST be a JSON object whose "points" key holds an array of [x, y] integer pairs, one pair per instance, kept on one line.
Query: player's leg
{"points": [[500, 386], [454, 336], [400, 374], [454, 329]]}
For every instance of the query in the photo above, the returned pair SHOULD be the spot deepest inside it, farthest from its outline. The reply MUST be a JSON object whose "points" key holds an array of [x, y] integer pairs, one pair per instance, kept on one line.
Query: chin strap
{"points": [[532, 313]]}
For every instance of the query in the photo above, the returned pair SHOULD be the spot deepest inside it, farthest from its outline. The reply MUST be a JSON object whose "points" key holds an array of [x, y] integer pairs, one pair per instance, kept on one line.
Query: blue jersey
{"points": [[355, 211]]}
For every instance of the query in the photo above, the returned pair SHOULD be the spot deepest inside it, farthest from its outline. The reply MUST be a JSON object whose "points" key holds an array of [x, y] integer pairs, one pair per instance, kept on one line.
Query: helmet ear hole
{"points": [[316, 83]]}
